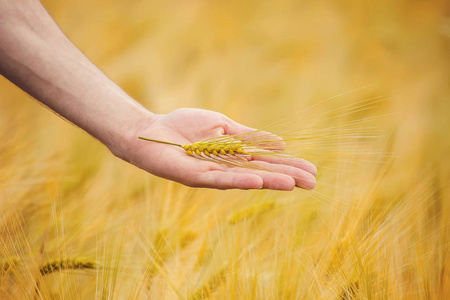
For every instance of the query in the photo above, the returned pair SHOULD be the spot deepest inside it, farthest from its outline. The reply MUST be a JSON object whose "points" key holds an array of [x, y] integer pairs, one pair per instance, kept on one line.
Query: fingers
{"points": [[277, 177], [293, 162], [238, 178], [271, 181], [234, 128], [260, 139], [282, 177], [265, 140], [301, 177], [227, 180]]}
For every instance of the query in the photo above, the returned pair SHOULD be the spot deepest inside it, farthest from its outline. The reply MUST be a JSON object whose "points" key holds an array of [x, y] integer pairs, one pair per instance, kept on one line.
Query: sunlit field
{"points": [[363, 88]]}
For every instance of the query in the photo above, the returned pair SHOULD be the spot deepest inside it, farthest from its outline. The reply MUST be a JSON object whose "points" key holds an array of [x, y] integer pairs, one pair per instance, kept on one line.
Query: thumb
{"points": [[234, 128], [261, 139]]}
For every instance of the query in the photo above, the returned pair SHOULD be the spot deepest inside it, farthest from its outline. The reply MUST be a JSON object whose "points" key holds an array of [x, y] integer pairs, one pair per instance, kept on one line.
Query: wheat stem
{"points": [[158, 141]]}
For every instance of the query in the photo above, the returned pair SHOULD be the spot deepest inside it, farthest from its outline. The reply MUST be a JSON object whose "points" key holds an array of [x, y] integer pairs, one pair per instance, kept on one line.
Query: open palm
{"points": [[186, 126]]}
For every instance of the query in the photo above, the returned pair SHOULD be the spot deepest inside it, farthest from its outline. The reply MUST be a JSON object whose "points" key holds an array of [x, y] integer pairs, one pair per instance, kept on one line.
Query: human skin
{"points": [[37, 56]]}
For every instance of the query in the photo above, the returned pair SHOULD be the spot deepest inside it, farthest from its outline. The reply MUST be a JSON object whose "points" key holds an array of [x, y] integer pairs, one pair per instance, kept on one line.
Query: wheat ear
{"points": [[207, 147], [231, 149], [65, 264], [209, 287]]}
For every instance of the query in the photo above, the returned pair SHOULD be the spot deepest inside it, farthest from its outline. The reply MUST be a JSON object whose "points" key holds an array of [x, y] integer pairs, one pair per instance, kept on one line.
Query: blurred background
{"points": [[257, 62]]}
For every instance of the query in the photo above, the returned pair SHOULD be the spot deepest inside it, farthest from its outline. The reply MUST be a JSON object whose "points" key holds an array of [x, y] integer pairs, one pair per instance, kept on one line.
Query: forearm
{"points": [[36, 56]]}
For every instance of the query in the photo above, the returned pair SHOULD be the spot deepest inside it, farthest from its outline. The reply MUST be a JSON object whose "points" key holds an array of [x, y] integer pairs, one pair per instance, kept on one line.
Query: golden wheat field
{"points": [[363, 87]]}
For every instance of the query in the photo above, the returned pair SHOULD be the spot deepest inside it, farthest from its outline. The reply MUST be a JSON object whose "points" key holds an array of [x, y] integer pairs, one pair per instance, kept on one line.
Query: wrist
{"points": [[125, 132]]}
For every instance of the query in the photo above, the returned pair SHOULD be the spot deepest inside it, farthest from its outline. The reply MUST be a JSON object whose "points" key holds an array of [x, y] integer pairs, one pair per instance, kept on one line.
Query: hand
{"points": [[186, 126]]}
